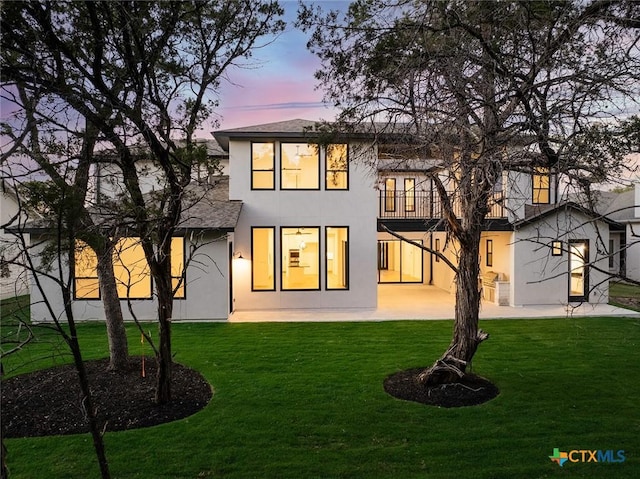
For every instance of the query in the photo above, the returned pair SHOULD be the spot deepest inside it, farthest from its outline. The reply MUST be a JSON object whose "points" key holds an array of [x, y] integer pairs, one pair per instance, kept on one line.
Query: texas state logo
{"points": [[586, 455]]}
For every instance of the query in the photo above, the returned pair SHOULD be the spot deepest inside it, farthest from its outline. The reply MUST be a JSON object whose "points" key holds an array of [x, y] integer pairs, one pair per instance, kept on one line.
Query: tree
{"points": [[154, 67], [486, 87]]}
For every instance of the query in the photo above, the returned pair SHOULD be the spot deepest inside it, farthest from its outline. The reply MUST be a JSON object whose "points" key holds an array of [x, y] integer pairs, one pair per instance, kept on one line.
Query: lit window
{"points": [[409, 194], [541, 186], [337, 257], [263, 259], [337, 167], [437, 249], [86, 272], [489, 247], [390, 194], [300, 247], [556, 248], [133, 278], [262, 166], [177, 267], [300, 166]]}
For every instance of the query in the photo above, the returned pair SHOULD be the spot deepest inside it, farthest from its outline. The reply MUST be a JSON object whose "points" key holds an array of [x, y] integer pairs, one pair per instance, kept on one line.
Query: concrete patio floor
{"points": [[423, 302]]}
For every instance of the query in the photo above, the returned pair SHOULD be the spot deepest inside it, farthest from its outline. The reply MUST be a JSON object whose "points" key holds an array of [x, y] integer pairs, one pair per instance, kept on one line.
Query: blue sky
{"points": [[277, 83]]}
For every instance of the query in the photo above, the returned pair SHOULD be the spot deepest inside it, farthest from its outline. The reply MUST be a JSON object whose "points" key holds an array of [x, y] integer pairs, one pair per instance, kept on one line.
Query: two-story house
{"points": [[289, 225]]}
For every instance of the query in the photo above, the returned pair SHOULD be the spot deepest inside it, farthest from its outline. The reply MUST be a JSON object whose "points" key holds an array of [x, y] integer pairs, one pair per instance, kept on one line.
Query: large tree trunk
{"points": [[116, 332], [467, 336]]}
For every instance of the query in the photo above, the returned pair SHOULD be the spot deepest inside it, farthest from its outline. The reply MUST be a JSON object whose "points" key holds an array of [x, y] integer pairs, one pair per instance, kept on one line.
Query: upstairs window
{"points": [[337, 177], [390, 194], [300, 166], [263, 166], [541, 186], [409, 194]]}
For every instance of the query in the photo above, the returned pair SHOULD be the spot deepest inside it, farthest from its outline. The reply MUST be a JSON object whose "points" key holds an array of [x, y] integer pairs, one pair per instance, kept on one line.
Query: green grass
{"points": [[305, 400], [618, 292]]}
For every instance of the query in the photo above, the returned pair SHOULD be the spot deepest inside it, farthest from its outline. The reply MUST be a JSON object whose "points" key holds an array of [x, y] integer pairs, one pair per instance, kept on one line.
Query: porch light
{"points": [[237, 255]]}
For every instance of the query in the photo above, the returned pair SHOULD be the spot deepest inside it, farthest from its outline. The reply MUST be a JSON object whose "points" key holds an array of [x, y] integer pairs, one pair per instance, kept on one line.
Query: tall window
{"points": [[390, 194], [337, 257], [263, 250], [489, 247], [86, 272], [337, 177], [541, 186], [300, 255], [300, 166], [262, 166], [409, 194], [133, 278]]}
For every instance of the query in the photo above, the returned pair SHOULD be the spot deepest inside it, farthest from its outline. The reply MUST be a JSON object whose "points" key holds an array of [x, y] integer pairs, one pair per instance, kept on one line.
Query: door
{"points": [[578, 270]]}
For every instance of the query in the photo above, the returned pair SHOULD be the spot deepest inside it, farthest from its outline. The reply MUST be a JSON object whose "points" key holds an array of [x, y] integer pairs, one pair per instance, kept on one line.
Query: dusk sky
{"points": [[278, 83]]}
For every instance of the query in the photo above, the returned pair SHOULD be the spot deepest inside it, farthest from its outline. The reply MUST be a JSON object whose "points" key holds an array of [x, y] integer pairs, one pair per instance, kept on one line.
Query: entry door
{"points": [[578, 270]]}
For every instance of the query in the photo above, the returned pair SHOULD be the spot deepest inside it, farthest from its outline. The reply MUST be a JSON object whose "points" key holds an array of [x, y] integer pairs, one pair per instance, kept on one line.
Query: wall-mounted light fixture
{"points": [[237, 255]]}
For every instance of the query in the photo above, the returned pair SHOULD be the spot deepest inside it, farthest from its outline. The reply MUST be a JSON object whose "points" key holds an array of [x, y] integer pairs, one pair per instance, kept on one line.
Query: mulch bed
{"points": [[470, 390], [48, 402]]}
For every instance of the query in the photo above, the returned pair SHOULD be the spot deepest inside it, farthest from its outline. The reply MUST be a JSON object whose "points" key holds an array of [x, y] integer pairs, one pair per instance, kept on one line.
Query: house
{"points": [[287, 224]]}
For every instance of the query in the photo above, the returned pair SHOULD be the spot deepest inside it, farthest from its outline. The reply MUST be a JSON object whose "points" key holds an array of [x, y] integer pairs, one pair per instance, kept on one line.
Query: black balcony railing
{"points": [[402, 204]]}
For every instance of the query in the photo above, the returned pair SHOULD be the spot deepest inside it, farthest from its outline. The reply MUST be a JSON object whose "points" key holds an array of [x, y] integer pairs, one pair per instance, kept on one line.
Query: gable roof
{"points": [[533, 214]]}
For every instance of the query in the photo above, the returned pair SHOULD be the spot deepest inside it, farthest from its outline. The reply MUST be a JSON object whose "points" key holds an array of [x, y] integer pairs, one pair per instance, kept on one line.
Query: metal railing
{"points": [[401, 204]]}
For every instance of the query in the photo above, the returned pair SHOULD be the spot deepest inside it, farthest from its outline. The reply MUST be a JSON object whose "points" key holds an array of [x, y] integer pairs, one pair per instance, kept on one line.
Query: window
{"points": [[133, 278], [437, 249], [263, 251], [578, 270], [399, 262], [300, 166], [86, 272], [390, 194], [337, 257], [541, 186], [409, 194], [489, 248], [300, 254], [611, 255], [262, 166], [556, 248], [337, 177]]}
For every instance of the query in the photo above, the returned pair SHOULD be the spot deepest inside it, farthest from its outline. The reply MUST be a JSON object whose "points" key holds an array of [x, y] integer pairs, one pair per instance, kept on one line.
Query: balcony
{"points": [[400, 204]]}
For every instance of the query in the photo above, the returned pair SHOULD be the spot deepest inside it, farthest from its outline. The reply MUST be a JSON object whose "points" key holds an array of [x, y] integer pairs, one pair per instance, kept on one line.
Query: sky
{"points": [[278, 84]]}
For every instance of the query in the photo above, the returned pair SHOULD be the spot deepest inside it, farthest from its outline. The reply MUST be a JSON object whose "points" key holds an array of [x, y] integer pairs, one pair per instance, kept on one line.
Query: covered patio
{"points": [[424, 302]]}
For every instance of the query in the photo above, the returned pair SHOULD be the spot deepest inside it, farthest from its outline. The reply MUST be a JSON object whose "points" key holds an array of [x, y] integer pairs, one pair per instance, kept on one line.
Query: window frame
{"points": [[388, 196], [283, 144], [410, 194], [334, 171], [346, 262], [272, 169], [273, 230], [282, 262], [538, 186], [437, 248], [556, 248], [489, 252]]}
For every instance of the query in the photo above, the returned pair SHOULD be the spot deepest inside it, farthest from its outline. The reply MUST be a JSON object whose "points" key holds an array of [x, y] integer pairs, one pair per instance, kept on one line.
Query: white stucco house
{"points": [[14, 280], [286, 225]]}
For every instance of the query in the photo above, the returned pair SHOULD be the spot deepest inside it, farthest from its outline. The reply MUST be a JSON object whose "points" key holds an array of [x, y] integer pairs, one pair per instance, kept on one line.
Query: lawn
{"points": [[304, 400]]}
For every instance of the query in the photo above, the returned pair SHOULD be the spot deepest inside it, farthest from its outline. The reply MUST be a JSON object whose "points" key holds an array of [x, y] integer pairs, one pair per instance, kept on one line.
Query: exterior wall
{"points": [[355, 208], [206, 291], [13, 279], [633, 250], [539, 277], [518, 189]]}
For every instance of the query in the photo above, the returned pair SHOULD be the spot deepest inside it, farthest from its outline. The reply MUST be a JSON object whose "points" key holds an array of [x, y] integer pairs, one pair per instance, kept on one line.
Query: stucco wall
{"points": [[206, 291], [541, 278], [355, 208]]}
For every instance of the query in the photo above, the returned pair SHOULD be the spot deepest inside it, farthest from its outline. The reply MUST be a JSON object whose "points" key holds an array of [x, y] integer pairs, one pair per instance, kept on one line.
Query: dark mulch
{"points": [[471, 390], [48, 402]]}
